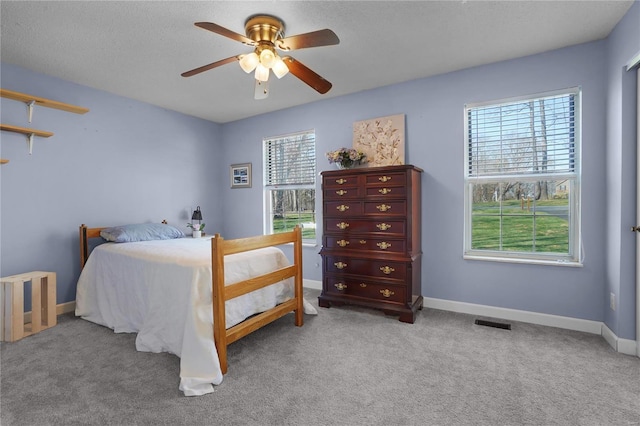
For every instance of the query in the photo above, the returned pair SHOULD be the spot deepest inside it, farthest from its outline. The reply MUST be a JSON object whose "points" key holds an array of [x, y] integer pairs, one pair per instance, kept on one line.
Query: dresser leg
{"points": [[408, 317], [323, 303]]}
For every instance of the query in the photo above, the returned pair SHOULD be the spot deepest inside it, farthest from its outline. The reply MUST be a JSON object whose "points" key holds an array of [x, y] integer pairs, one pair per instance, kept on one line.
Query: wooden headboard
{"points": [[87, 233]]}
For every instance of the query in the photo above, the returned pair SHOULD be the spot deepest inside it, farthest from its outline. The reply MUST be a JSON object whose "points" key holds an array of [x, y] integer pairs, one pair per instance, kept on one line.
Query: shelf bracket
{"points": [[30, 105], [30, 141]]}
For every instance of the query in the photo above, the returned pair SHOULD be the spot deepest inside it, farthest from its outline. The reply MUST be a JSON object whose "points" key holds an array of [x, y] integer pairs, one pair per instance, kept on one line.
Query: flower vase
{"points": [[351, 165], [197, 234]]}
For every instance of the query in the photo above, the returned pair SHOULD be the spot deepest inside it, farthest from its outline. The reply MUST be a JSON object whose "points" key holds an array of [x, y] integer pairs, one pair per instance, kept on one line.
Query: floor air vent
{"points": [[502, 325]]}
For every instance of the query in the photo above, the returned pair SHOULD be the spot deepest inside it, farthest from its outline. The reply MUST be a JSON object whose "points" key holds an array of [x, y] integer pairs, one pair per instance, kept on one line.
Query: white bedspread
{"points": [[162, 291]]}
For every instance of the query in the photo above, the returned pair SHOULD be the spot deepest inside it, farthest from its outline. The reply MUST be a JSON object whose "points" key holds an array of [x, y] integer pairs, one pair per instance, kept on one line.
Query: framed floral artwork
{"points": [[240, 175], [381, 139]]}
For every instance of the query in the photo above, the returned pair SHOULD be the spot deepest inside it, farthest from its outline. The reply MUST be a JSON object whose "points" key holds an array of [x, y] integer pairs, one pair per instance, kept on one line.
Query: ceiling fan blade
{"points": [[225, 32], [210, 66], [312, 39], [305, 74]]}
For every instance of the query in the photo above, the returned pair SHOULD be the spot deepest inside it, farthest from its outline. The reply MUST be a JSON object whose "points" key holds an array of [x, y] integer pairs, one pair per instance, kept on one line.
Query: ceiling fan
{"points": [[266, 34]]}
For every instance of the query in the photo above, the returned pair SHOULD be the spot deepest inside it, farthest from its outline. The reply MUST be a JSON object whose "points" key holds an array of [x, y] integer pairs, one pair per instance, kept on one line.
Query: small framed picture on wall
{"points": [[240, 175]]}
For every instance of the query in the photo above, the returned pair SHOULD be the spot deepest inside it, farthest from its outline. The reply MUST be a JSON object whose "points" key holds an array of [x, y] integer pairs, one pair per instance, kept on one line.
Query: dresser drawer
{"points": [[386, 179], [377, 227], [365, 289], [387, 208], [386, 191], [379, 245], [343, 208], [340, 181], [372, 268], [348, 192]]}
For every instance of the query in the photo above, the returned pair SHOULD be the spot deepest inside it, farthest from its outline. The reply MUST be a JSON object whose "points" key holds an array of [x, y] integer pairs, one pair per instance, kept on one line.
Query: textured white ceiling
{"points": [[138, 49]]}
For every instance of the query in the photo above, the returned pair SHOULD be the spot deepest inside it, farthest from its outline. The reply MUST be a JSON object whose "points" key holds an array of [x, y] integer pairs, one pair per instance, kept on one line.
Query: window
{"points": [[290, 183], [522, 179]]}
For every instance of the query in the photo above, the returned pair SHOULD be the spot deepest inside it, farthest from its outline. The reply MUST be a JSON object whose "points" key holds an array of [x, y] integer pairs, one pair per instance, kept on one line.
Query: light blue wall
{"points": [[622, 45], [435, 143], [174, 162], [122, 162]]}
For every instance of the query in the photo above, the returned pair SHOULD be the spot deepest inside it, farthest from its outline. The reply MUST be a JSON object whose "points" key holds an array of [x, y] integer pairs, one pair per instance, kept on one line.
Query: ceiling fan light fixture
{"points": [[280, 69], [249, 62], [262, 73]]}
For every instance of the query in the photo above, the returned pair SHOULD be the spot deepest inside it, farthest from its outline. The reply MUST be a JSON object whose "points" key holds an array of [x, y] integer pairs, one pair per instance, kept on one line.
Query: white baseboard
{"points": [[312, 284], [624, 346], [587, 326]]}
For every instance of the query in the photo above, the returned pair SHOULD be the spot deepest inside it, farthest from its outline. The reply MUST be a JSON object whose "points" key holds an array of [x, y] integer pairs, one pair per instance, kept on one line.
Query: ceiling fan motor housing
{"points": [[264, 28]]}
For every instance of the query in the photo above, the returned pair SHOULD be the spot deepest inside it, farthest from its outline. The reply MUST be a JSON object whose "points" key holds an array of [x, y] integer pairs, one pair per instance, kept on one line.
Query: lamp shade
{"points": [[280, 69], [197, 214], [267, 58], [249, 62], [262, 73]]}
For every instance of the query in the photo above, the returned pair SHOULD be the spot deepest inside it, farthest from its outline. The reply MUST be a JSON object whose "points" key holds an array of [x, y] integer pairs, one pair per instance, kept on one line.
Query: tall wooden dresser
{"points": [[371, 249]]}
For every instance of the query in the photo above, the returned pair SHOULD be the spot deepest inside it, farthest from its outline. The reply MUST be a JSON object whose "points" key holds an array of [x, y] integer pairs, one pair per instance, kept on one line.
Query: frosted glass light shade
{"points": [[267, 58], [280, 69], [249, 62], [262, 73]]}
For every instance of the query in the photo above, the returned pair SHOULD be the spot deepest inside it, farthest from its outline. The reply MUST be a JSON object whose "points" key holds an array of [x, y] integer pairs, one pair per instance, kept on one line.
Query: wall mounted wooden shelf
{"points": [[31, 100], [3, 161], [23, 97], [30, 133], [25, 130]]}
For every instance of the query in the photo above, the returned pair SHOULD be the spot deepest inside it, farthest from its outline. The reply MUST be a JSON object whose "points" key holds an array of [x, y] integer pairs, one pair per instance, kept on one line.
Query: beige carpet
{"points": [[346, 366]]}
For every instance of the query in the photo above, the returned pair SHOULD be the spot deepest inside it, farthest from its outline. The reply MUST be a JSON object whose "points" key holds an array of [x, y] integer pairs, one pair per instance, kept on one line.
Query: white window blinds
{"points": [[290, 159], [526, 137]]}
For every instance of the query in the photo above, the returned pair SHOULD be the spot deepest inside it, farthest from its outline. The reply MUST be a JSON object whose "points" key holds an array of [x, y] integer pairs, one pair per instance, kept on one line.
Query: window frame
{"points": [[574, 257], [268, 188]]}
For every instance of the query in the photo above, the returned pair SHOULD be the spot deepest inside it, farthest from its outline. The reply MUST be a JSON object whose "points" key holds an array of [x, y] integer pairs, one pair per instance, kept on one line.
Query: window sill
{"points": [[569, 263], [305, 244]]}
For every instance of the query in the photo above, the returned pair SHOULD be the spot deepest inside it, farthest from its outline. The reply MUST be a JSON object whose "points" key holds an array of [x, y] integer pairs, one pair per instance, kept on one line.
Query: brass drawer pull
{"points": [[387, 270], [384, 178], [384, 245], [342, 208], [341, 181], [363, 285], [340, 265], [383, 207], [386, 292], [384, 191], [342, 225], [341, 192], [363, 241], [342, 243], [383, 226], [341, 286]]}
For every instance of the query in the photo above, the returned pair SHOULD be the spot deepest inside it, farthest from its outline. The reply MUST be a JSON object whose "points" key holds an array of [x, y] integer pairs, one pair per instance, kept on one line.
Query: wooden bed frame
{"points": [[221, 293]]}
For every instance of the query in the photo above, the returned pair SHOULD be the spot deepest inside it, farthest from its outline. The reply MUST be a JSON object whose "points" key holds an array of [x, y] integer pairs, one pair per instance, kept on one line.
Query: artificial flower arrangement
{"points": [[346, 158], [195, 226]]}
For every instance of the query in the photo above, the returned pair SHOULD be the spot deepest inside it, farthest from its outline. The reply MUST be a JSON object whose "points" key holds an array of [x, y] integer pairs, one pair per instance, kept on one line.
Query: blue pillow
{"points": [[141, 232]]}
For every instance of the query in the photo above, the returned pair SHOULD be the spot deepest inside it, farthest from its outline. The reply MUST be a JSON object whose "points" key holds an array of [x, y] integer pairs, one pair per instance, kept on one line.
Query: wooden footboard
{"points": [[222, 293]]}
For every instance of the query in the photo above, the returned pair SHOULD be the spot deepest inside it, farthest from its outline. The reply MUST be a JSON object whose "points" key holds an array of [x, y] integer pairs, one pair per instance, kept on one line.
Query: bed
{"points": [[190, 296]]}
